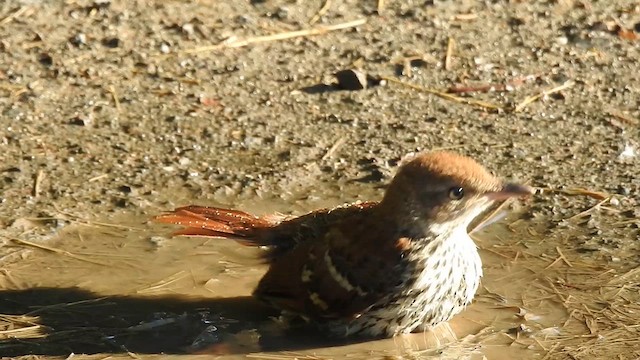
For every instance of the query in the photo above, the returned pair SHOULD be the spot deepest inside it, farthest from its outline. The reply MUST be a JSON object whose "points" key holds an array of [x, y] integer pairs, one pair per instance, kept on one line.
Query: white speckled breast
{"points": [[442, 280]]}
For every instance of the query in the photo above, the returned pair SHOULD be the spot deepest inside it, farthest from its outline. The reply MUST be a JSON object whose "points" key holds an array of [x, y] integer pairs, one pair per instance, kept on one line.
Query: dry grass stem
{"points": [[575, 192], [536, 97], [20, 327], [583, 213], [37, 183], [492, 87], [496, 253], [631, 275], [236, 43], [16, 14], [478, 103], [114, 95], [64, 305], [624, 118], [56, 251], [602, 310], [560, 257], [626, 222], [7, 274], [448, 59], [551, 351], [99, 177], [554, 262], [465, 17], [338, 144], [164, 282], [564, 258], [285, 355], [323, 10], [63, 215]]}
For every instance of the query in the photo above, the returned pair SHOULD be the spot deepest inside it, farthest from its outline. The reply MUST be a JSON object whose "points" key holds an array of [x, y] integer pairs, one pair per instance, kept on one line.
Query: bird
{"points": [[377, 269]]}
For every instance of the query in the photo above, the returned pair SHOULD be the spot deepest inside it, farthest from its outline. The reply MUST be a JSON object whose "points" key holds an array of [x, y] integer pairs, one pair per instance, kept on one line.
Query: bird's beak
{"points": [[510, 190]]}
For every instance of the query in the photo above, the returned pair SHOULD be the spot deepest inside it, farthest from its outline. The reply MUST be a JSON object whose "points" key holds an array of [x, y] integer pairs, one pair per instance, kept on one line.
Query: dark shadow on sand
{"points": [[78, 321], [320, 89]]}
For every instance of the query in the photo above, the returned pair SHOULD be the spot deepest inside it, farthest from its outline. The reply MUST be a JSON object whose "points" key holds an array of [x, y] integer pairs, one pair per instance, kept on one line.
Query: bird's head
{"points": [[438, 192]]}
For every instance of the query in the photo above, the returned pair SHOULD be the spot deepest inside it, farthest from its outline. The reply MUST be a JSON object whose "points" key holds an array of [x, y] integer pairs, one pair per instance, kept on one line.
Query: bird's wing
{"points": [[342, 264]]}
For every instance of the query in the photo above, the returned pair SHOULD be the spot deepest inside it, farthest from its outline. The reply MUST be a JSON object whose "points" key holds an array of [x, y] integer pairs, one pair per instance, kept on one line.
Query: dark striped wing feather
{"points": [[340, 263]]}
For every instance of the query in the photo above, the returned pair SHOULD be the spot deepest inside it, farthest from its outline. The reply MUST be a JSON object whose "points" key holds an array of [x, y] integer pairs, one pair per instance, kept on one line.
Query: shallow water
{"points": [[130, 290]]}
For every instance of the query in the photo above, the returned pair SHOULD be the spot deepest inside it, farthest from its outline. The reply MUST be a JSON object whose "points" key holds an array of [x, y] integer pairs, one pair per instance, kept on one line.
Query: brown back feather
{"points": [[300, 280]]}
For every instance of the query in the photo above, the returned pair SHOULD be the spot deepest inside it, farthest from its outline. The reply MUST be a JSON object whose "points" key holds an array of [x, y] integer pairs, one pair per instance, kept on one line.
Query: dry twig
{"points": [[55, 250], [581, 214], [16, 14], [548, 92], [334, 148], [87, 222], [64, 305], [465, 17], [236, 43], [37, 183], [560, 257], [481, 104], [497, 87], [99, 177], [625, 118], [575, 192], [164, 282], [20, 327], [114, 95], [323, 10], [448, 59]]}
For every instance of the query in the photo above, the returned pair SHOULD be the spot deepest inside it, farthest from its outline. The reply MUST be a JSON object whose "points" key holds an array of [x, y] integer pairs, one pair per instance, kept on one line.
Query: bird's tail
{"points": [[218, 222]]}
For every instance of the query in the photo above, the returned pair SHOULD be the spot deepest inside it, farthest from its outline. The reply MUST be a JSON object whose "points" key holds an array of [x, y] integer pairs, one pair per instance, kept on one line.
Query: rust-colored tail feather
{"points": [[217, 222]]}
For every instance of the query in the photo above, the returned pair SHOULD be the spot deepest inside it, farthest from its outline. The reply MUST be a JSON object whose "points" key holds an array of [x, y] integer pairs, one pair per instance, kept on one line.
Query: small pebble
{"points": [[244, 19], [120, 202], [282, 13], [79, 39], [188, 29], [164, 48], [125, 189], [157, 241], [624, 190], [351, 79], [45, 59], [112, 43], [79, 121]]}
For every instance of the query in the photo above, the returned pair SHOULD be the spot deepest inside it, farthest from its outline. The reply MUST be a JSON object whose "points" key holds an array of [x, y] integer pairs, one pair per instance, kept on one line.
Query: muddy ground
{"points": [[113, 111]]}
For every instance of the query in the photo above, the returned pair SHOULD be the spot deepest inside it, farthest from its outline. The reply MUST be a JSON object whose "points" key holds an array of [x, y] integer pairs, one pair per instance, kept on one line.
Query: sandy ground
{"points": [[113, 111]]}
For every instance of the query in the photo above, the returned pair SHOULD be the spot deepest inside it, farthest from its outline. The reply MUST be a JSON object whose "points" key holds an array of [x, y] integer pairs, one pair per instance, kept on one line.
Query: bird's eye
{"points": [[456, 193]]}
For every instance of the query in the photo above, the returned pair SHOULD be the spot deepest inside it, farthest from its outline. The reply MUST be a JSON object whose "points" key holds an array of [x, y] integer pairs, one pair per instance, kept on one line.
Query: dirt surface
{"points": [[113, 111]]}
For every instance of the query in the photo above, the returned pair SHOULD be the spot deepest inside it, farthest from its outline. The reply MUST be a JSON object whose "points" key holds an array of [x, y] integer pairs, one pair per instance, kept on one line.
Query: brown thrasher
{"points": [[372, 268]]}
